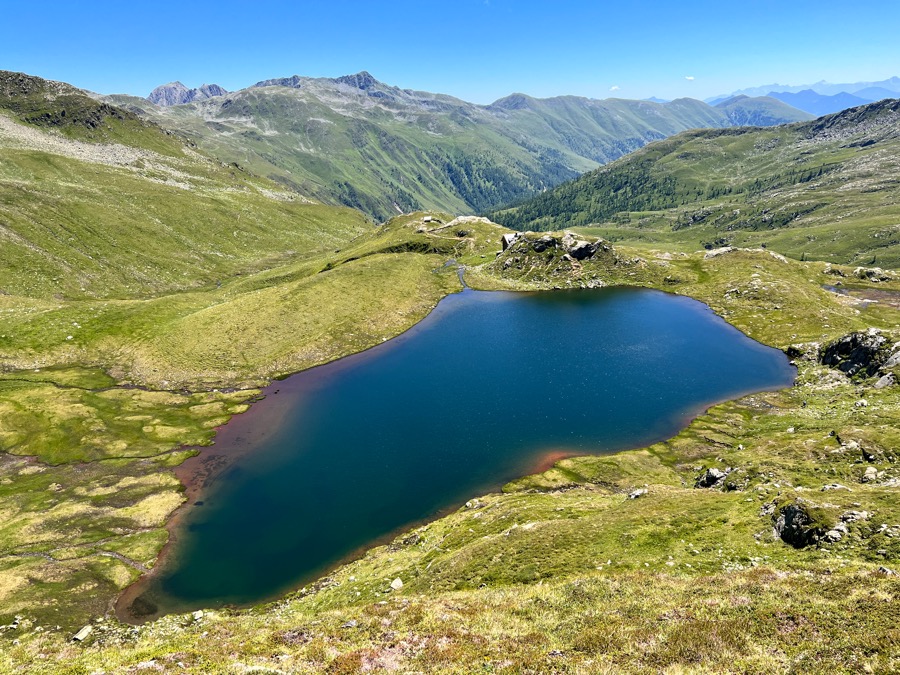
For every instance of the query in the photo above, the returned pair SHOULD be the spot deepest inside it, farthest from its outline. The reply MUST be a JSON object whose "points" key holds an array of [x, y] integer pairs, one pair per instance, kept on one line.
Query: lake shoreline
{"points": [[246, 430]]}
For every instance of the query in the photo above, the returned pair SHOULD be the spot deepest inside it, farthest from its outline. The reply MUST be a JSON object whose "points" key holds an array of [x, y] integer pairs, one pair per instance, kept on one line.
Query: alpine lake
{"points": [[491, 386]]}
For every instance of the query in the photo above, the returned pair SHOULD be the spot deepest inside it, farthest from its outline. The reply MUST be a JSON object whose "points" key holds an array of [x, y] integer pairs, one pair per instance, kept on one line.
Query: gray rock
{"points": [[583, 250], [870, 475], [719, 251], [543, 243], [835, 486], [832, 536], [858, 352], [637, 493], [397, 584], [712, 477], [886, 381], [853, 516], [872, 274], [352, 623]]}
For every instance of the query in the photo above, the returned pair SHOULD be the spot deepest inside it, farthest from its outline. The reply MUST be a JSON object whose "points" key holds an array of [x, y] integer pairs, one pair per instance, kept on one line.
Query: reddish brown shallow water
{"points": [[489, 387]]}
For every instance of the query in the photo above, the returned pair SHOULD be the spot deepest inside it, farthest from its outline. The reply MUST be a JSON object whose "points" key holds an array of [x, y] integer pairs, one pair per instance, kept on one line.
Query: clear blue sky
{"points": [[478, 50]]}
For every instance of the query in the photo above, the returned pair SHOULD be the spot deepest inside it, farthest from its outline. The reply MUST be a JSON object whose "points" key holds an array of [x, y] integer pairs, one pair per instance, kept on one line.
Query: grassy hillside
{"points": [[136, 285], [822, 189], [96, 203], [358, 142], [564, 571], [63, 108], [112, 372]]}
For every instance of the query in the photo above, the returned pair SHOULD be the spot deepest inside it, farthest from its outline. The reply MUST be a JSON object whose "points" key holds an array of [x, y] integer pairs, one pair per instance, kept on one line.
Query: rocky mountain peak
{"points": [[361, 80], [175, 93], [294, 82]]}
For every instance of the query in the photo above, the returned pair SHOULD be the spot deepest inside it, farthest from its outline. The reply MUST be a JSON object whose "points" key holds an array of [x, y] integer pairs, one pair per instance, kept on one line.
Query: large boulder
{"points": [[711, 478], [541, 244], [796, 524], [860, 352], [582, 250]]}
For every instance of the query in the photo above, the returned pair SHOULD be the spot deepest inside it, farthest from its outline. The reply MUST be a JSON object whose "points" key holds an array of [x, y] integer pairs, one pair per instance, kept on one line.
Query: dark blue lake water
{"points": [[477, 394]]}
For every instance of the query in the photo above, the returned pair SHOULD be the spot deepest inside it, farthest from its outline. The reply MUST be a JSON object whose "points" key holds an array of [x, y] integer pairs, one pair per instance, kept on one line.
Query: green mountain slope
{"points": [[621, 563], [146, 290], [825, 189], [358, 142], [95, 202]]}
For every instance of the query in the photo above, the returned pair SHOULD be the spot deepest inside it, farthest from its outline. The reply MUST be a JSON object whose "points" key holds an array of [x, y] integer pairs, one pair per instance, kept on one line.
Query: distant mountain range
{"points": [[355, 141], [823, 98], [891, 84], [820, 104]]}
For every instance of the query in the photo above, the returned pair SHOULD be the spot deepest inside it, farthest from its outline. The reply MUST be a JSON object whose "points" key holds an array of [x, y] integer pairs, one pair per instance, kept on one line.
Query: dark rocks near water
{"points": [[796, 524], [872, 274]]}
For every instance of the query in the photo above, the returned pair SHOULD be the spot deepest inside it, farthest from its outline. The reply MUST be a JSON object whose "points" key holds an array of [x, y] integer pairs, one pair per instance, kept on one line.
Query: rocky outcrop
{"points": [[711, 478], [872, 274], [563, 260], [797, 525], [862, 352], [584, 250], [175, 93], [569, 243]]}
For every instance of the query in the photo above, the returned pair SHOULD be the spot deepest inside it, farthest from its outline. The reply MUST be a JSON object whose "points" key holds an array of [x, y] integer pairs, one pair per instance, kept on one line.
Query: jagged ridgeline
{"points": [[825, 189], [97, 202], [358, 142]]}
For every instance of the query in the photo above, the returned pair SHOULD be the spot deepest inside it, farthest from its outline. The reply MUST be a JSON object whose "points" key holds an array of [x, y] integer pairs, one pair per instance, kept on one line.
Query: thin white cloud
{"points": [[691, 78], [615, 87]]}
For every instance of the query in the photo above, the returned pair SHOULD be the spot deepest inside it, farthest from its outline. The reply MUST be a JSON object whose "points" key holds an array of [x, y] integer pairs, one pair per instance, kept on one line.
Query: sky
{"points": [[477, 50]]}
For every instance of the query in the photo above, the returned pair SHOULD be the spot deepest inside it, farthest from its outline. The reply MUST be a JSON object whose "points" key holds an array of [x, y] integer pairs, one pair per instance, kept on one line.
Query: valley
{"points": [[787, 188], [358, 142], [741, 543]]}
